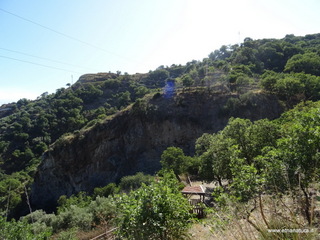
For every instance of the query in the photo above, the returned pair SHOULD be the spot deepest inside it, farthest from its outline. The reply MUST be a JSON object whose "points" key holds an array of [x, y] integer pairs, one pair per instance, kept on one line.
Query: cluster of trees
{"points": [[249, 159], [242, 65], [141, 207], [35, 125], [292, 86], [291, 53]]}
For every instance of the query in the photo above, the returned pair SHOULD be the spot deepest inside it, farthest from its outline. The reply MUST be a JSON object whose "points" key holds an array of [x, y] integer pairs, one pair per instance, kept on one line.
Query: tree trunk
{"points": [[307, 205], [220, 182]]}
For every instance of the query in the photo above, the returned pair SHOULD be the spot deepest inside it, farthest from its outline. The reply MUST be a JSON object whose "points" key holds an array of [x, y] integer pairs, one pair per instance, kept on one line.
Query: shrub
{"points": [[105, 191], [102, 209], [73, 217], [128, 183], [20, 230], [68, 235], [80, 200], [112, 83], [157, 211], [40, 221]]}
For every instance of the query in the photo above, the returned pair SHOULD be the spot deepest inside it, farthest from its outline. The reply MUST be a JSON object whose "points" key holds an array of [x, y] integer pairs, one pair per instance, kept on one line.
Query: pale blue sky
{"points": [[129, 35]]}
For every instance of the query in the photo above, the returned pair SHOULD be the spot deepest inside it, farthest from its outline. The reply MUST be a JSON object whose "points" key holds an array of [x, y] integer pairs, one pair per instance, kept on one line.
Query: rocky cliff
{"points": [[134, 139]]}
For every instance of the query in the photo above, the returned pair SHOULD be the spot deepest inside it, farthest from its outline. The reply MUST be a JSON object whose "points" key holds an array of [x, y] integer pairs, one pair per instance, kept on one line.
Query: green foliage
{"points": [[274, 157], [248, 56], [289, 86], [157, 78], [103, 210], [194, 164], [38, 216], [221, 54], [105, 191], [246, 182], [141, 91], [140, 106], [133, 182], [89, 93], [272, 55], [244, 81], [274, 171], [269, 80], [122, 98], [203, 143], [174, 159], [232, 105], [112, 83], [11, 190], [237, 129], [299, 145], [187, 80], [74, 217], [81, 200], [157, 211], [216, 159], [68, 235], [234, 154], [20, 230], [307, 63]]}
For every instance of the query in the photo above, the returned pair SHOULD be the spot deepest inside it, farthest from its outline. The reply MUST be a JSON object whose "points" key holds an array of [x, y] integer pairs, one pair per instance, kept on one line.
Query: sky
{"points": [[45, 45]]}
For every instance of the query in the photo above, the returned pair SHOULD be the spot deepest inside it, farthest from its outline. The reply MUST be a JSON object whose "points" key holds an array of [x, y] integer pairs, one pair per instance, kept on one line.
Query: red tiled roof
{"points": [[193, 190]]}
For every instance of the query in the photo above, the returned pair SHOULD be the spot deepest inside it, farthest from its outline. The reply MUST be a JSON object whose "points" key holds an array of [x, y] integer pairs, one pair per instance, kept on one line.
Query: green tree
{"points": [[157, 211], [307, 63], [124, 98], [158, 77], [10, 194], [89, 93], [216, 151], [247, 183], [132, 182], [288, 87], [237, 130], [300, 142], [272, 56], [248, 56], [187, 80], [311, 85], [216, 160], [174, 159], [269, 80], [221, 54], [203, 143], [141, 91]]}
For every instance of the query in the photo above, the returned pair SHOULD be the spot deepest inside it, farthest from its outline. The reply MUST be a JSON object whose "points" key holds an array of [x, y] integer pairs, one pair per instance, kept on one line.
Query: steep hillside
{"points": [[256, 79], [134, 139]]}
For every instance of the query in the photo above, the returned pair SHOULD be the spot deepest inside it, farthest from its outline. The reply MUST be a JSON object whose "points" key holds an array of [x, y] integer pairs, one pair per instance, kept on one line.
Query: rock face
{"points": [[134, 140]]}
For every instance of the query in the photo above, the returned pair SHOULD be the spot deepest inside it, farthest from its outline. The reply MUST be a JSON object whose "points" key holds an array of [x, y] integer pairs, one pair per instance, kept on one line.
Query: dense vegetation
{"points": [[254, 158]]}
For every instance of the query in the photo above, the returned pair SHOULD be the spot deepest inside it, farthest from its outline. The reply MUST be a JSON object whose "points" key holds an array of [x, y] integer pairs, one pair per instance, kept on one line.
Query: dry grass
{"points": [[238, 222]]}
